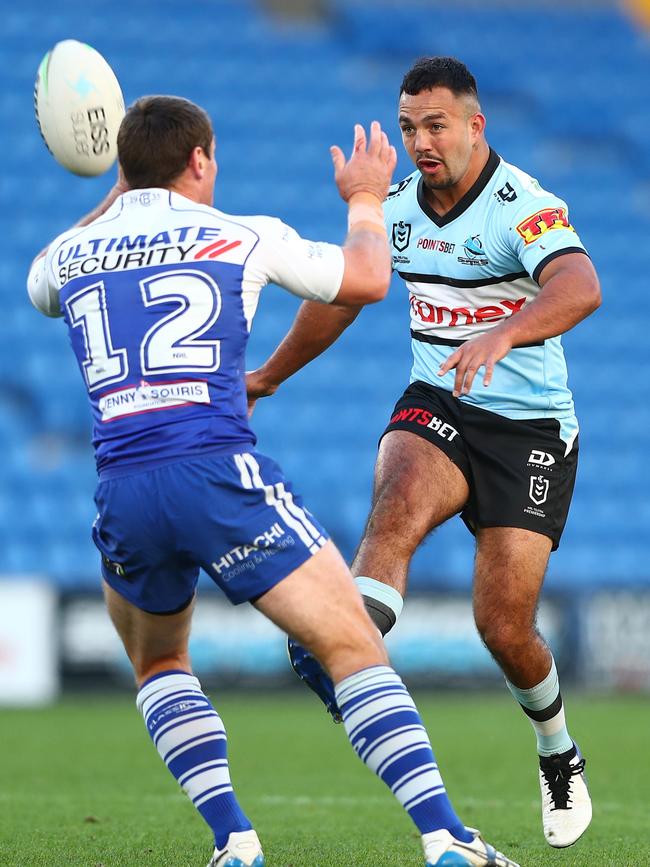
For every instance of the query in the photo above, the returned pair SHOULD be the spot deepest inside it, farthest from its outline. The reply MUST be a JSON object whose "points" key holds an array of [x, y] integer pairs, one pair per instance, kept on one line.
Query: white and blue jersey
{"points": [[158, 296], [472, 268]]}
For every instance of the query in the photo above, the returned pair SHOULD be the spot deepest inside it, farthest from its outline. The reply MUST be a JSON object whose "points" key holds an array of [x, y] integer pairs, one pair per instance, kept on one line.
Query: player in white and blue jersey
{"points": [[158, 290], [495, 273]]}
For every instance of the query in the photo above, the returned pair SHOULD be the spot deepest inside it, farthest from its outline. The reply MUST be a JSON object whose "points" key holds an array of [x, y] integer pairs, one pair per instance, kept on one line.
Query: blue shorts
{"points": [[234, 516]]}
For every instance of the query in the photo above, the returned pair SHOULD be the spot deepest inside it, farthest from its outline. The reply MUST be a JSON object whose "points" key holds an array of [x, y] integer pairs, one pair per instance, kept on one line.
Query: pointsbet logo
{"points": [[543, 221]]}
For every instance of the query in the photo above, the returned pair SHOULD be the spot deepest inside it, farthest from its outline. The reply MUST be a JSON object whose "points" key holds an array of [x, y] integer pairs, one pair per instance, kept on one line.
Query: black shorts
{"points": [[516, 469]]}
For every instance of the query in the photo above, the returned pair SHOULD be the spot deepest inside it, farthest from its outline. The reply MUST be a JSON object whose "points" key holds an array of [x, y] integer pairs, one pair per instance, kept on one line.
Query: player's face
{"points": [[440, 132]]}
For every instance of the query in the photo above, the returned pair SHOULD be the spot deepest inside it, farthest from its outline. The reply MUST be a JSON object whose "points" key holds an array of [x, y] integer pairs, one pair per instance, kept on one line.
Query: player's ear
{"points": [[477, 125], [197, 162]]}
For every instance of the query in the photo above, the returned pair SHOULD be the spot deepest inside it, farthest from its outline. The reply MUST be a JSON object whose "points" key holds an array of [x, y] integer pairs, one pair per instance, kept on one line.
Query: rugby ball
{"points": [[79, 107]]}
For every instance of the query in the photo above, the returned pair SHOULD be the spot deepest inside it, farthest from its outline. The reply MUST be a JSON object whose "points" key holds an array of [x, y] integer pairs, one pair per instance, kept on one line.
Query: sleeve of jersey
{"points": [[43, 294], [541, 231], [310, 269]]}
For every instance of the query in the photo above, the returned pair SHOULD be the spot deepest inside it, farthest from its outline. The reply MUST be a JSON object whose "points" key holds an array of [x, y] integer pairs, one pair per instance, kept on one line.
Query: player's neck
{"points": [[442, 201]]}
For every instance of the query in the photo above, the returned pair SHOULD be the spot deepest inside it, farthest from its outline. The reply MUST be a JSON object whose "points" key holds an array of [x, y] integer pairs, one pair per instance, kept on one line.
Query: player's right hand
{"points": [[370, 167], [257, 386]]}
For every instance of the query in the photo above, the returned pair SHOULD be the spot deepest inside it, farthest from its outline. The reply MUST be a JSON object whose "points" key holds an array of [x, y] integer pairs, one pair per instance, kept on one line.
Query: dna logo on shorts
{"points": [[541, 459]]}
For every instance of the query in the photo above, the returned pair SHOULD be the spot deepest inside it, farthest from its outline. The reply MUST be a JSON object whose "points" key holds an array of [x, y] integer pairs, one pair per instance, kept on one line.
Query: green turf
{"points": [[80, 784]]}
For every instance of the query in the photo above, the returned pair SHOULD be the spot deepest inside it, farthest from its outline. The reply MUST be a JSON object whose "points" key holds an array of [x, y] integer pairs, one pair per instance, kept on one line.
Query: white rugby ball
{"points": [[79, 107]]}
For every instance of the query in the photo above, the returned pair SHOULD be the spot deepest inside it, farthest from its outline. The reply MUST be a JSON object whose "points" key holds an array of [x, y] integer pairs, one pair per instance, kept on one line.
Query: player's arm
{"points": [[570, 291], [44, 295], [315, 328], [363, 183]]}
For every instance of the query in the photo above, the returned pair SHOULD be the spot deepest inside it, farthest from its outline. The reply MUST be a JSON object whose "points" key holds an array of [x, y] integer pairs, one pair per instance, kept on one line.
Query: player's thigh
{"points": [[417, 486], [320, 606], [153, 642], [522, 473], [509, 572]]}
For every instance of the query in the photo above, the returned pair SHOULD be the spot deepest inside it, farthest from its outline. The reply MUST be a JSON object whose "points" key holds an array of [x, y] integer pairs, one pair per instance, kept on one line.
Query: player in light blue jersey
{"points": [[495, 273], [158, 290]]}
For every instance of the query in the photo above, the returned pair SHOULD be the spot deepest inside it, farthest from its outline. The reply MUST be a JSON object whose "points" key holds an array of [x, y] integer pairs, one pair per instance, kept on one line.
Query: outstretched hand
{"points": [[370, 167]]}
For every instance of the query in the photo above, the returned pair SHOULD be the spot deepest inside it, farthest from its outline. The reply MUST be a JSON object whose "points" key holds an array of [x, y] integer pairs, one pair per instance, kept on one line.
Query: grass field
{"points": [[81, 784]]}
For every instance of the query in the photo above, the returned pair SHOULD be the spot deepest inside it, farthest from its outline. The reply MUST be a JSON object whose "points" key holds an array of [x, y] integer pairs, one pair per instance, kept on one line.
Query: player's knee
{"points": [[347, 650], [146, 667], [502, 635]]}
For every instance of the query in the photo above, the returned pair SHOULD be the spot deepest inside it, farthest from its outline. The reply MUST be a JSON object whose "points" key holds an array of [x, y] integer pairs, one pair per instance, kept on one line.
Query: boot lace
{"points": [[557, 776]]}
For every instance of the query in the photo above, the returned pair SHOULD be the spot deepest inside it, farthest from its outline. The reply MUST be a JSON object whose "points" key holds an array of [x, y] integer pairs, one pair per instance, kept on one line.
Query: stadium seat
{"points": [[561, 92]]}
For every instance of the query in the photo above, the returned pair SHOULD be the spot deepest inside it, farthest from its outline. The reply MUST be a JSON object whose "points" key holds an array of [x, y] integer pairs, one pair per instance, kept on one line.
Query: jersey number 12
{"points": [[170, 345]]}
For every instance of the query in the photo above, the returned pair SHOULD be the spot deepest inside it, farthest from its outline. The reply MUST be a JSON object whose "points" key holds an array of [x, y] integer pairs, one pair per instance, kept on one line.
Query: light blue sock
{"points": [[386, 731], [383, 603], [543, 705]]}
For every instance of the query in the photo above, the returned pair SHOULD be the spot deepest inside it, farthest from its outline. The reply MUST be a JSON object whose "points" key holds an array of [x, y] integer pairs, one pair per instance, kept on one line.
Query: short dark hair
{"points": [[429, 72], [157, 136]]}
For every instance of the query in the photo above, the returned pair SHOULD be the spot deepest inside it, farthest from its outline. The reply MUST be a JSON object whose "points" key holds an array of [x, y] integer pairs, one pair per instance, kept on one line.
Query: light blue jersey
{"points": [[474, 267]]}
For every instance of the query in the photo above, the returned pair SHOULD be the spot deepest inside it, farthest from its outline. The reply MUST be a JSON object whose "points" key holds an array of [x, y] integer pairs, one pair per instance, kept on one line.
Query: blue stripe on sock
{"points": [[179, 749], [198, 755]]}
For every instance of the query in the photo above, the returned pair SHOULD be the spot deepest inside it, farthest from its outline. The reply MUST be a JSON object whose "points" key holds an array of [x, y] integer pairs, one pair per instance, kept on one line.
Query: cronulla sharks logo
{"points": [[401, 235], [474, 252]]}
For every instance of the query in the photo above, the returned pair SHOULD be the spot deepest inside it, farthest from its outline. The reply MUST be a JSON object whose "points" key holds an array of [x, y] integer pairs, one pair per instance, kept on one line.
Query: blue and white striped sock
{"points": [[191, 739], [387, 734]]}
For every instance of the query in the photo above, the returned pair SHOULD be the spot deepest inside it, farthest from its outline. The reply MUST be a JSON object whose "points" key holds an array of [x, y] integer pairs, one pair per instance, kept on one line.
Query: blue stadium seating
{"points": [[563, 95]]}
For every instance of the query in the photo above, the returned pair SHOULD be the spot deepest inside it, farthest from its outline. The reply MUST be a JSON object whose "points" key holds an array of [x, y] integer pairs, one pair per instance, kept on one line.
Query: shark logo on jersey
{"points": [[473, 247], [401, 235]]}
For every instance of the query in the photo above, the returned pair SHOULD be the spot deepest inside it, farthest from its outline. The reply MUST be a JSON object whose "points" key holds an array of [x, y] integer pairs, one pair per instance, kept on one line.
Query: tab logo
{"points": [[543, 221], [541, 459]]}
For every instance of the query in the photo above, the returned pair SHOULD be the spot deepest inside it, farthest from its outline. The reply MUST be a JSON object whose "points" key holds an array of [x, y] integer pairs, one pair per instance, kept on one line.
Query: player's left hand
{"points": [[257, 386], [483, 351]]}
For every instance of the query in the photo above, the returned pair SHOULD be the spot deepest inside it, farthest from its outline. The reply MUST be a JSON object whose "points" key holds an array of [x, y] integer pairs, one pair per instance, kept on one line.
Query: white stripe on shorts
{"points": [[296, 511], [245, 476], [279, 505]]}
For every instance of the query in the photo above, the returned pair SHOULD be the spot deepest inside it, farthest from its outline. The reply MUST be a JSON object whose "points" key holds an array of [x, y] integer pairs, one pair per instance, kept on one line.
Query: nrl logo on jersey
{"points": [[401, 235], [474, 252]]}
